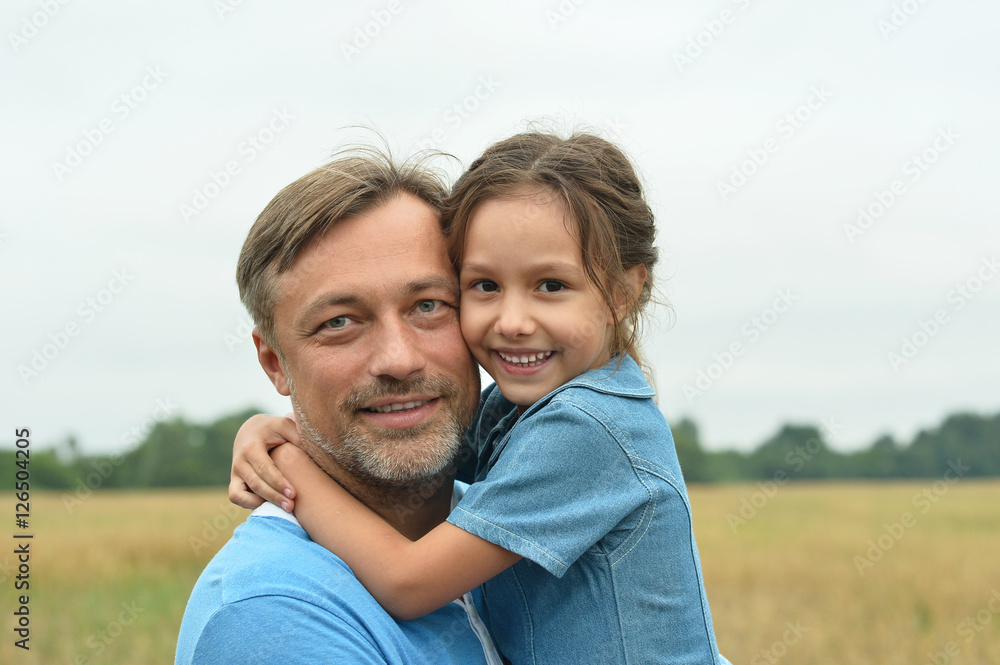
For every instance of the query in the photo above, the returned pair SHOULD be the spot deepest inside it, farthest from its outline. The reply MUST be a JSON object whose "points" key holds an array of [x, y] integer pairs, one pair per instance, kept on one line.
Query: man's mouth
{"points": [[533, 359], [396, 407]]}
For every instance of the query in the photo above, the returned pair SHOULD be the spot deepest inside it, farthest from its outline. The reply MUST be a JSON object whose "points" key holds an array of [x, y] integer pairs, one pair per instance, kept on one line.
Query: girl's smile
{"points": [[522, 361]]}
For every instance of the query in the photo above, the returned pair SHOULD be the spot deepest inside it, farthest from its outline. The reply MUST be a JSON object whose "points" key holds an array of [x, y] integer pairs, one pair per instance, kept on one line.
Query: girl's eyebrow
{"points": [[549, 266], [557, 266], [474, 267]]}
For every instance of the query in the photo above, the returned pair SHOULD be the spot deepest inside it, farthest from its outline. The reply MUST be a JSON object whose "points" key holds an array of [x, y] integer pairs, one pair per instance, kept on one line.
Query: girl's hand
{"points": [[255, 478]]}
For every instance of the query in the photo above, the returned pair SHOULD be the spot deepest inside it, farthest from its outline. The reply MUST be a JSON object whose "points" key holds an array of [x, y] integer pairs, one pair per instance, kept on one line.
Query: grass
{"points": [[868, 573], [806, 573], [110, 575]]}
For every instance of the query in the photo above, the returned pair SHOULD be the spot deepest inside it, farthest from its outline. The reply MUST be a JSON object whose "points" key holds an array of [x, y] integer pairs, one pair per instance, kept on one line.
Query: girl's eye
{"points": [[551, 286], [486, 286], [337, 322], [427, 306]]}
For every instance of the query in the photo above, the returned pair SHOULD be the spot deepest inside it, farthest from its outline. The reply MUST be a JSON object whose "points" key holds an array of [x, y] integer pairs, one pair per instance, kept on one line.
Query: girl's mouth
{"points": [[524, 360]]}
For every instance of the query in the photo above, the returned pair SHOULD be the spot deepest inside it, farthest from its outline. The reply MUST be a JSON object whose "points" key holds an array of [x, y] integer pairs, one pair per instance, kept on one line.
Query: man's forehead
{"points": [[391, 250]]}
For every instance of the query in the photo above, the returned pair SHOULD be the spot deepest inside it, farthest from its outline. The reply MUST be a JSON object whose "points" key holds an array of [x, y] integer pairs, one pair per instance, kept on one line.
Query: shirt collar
{"points": [[623, 379], [620, 376]]}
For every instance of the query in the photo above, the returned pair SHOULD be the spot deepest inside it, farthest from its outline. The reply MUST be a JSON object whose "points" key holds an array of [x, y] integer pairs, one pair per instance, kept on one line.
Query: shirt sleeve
{"points": [[561, 483], [266, 630]]}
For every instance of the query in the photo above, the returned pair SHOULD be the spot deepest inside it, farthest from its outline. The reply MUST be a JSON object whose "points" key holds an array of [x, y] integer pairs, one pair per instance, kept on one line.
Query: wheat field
{"points": [[892, 573]]}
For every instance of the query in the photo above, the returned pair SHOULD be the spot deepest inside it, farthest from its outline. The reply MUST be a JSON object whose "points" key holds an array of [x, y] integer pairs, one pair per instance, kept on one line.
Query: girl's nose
{"points": [[514, 320]]}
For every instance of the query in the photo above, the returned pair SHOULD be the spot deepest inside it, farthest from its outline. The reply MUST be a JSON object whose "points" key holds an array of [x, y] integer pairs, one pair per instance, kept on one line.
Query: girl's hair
{"points": [[603, 194]]}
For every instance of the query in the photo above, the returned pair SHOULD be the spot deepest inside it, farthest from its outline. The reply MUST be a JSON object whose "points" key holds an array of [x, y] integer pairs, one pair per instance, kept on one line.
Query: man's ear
{"points": [[635, 278], [271, 363]]}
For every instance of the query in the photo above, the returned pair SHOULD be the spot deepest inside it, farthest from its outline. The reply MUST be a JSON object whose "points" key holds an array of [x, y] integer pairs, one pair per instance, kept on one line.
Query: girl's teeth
{"points": [[529, 359]]}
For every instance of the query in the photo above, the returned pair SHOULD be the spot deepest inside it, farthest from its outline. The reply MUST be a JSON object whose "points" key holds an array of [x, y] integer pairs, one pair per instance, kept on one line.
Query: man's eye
{"points": [[337, 322], [551, 285], [428, 306], [485, 285]]}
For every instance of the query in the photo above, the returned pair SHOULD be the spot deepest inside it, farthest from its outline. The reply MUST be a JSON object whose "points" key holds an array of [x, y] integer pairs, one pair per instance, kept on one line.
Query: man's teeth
{"points": [[529, 360], [401, 406]]}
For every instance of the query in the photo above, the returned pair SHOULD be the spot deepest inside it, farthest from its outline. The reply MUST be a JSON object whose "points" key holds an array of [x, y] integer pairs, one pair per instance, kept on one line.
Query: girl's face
{"points": [[530, 315]]}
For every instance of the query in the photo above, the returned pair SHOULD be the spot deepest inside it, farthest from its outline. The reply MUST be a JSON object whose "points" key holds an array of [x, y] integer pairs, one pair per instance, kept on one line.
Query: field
{"points": [[801, 573]]}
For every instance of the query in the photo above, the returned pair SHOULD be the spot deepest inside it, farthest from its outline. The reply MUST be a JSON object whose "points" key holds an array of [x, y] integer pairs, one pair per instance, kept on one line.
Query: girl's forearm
{"points": [[409, 579]]}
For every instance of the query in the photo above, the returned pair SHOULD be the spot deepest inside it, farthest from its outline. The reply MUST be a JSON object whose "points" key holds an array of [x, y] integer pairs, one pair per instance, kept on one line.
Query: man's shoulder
{"points": [[271, 556], [269, 586], [272, 594]]}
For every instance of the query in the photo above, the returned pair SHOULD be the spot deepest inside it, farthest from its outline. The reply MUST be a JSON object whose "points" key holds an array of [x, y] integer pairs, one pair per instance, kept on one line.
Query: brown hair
{"points": [[360, 179], [603, 194]]}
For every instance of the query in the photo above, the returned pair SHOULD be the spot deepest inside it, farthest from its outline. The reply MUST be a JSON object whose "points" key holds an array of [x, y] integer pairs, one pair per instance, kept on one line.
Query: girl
{"points": [[577, 523]]}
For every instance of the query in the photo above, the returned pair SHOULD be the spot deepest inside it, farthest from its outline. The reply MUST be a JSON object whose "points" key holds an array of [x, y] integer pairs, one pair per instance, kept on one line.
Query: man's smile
{"points": [[399, 404], [401, 412]]}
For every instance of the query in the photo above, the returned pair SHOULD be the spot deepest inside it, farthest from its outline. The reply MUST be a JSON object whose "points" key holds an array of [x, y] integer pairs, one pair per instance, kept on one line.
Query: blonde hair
{"points": [[360, 179]]}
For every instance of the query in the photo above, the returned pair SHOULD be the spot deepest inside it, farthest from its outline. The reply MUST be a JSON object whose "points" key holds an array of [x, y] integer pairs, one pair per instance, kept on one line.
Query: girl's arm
{"points": [[254, 477], [408, 578]]}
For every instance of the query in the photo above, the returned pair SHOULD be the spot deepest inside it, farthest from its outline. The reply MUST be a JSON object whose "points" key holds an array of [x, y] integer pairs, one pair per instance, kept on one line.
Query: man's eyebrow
{"points": [[431, 283], [324, 301], [353, 300]]}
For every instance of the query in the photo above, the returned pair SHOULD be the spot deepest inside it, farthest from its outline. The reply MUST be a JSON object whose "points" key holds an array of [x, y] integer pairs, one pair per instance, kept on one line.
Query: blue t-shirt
{"points": [[586, 486], [271, 595]]}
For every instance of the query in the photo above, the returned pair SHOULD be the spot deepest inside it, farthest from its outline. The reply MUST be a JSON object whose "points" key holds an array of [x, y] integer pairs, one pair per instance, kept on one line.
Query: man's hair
{"points": [[357, 181]]}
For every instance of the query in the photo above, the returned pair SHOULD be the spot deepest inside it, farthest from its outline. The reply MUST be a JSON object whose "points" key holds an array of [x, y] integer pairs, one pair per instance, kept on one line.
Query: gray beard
{"points": [[390, 460]]}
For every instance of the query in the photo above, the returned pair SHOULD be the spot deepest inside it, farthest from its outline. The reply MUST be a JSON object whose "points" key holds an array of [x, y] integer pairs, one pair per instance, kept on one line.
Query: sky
{"points": [[824, 177]]}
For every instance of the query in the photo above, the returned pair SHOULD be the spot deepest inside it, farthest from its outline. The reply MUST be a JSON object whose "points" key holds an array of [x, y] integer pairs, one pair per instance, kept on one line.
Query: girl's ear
{"points": [[635, 278]]}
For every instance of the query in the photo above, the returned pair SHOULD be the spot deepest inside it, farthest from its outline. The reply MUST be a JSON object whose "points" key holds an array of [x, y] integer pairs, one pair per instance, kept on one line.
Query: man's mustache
{"points": [[387, 387]]}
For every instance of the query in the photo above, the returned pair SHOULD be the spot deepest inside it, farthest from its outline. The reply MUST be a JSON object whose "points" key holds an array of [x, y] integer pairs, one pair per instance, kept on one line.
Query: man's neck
{"points": [[413, 511]]}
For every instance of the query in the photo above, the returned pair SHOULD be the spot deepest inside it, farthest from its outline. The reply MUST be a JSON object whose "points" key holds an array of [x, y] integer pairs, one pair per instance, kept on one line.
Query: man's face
{"points": [[374, 360]]}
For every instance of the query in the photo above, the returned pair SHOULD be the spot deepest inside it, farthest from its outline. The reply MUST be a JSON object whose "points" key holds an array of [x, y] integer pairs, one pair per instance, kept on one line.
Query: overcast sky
{"points": [[824, 176]]}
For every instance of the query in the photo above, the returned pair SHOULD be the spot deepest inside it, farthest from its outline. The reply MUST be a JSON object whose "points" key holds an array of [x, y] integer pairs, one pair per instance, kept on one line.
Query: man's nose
{"points": [[514, 319], [396, 353]]}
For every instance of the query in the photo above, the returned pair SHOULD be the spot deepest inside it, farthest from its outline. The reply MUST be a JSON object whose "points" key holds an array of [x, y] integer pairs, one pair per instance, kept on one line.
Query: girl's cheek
{"points": [[466, 320]]}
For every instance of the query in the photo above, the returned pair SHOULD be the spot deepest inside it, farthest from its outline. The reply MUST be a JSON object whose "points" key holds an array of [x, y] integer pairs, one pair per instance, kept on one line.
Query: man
{"points": [[355, 302]]}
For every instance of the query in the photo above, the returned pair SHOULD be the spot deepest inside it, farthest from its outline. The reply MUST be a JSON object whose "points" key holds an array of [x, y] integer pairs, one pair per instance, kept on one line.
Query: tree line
{"points": [[178, 453]]}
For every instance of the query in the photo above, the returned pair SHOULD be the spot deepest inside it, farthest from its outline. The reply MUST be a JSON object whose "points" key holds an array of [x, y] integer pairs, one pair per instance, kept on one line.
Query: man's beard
{"points": [[393, 459]]}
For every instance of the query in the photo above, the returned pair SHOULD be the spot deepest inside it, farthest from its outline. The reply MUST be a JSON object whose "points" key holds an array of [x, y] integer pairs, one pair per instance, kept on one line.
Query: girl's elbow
{"points": [[406, 613], [407, 602]]}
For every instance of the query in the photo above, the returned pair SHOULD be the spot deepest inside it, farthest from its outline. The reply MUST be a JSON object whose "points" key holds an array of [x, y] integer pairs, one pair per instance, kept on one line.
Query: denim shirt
{"points": [[587, 488]]}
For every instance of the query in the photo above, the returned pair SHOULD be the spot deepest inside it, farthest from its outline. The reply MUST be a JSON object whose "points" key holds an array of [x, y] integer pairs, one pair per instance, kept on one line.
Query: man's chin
{"points": [[393, 458], [402, 459]]}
